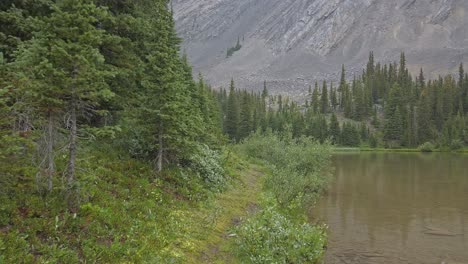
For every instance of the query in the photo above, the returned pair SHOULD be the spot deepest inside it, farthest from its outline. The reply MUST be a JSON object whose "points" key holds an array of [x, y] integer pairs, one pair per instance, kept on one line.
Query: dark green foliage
{"points": [[246, 125], [318, 128], [335, 130], [18, 20], [62, 70], [232, 50], [97, 91], [315, 99], [397, 110], [394, 127], [350, 135], [232, 120], [333, 98], [324, 101]]}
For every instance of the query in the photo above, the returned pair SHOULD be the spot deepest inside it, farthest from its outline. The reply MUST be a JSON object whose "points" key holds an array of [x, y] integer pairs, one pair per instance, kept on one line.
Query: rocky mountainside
{"points": [[291, 43]]}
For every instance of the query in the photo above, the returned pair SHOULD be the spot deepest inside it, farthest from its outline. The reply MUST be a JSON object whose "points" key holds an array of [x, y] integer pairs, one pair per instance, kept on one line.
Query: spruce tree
{"points": [[342, 87], [375, 120], [246, 117], [232, 114], [172, 123], [324, 100], [333, 98], [315, 99], [65, 70], [363, 132], [393, 130], [335, 130]]}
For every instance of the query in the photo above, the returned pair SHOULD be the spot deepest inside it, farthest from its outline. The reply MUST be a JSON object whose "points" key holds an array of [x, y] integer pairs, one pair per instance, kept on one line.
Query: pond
{"points": [[396, 208]]}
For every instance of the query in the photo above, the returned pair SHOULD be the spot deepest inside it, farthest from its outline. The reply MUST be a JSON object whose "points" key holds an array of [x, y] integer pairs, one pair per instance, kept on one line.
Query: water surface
{"points": [[397, 208]]}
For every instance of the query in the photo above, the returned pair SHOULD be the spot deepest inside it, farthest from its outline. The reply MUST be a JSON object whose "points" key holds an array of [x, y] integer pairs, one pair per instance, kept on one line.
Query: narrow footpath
{"points": [[213, 241]]}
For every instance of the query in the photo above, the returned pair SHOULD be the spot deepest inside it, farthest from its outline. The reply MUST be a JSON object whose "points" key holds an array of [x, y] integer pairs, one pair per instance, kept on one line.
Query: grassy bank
{"points": [[404, 150], [211, 236], [129, 214], [280, 232]]}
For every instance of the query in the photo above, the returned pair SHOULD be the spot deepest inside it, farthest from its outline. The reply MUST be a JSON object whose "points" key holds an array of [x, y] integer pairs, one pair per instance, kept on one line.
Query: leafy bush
{"points": [[301, 167], [206, 163], [427, 147], [456, 144], [270, 237], [300, 172]]}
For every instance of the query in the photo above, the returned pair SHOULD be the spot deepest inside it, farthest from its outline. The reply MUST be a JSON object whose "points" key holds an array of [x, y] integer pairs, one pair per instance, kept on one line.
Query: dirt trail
{"points": [[229, 209]]}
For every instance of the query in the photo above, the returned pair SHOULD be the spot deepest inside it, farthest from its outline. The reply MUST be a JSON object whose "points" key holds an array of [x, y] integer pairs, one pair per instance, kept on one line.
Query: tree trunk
{"points": [[72, 146], [159, 159], [50, 152]]}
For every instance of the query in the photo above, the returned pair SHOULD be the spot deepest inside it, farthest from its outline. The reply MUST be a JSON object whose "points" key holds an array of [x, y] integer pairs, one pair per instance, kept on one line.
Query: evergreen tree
{"points": [[335, 130], [375, 120], [324, 101], [263, 108], [424, 124], [333, 98], [393, 130], [232, 114], [342, 87], [350, 135], [167, 111], [370, 65], [315, 99], [265, 91], [65, 69], [246, 117], [363, 132]]}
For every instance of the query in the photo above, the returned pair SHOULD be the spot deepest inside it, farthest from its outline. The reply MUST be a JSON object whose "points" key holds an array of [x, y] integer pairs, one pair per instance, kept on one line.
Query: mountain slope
{"points": [[290, 43]]}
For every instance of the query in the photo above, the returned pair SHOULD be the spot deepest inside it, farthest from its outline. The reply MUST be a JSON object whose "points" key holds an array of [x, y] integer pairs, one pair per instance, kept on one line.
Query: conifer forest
{"points": [[115, 149]]}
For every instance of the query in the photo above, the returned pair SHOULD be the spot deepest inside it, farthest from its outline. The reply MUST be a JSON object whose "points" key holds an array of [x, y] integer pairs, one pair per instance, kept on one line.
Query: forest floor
{"points": [[212, 239], [129, 216]]}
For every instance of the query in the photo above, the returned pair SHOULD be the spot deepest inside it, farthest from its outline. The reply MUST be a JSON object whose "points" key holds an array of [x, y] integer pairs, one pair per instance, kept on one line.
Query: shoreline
{"points": [[401, 150]]}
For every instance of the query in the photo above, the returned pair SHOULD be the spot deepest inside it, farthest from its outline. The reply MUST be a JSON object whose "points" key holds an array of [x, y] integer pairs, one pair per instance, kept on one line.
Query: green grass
{"points": [[280, 232], [211, 239], [127, 214]]}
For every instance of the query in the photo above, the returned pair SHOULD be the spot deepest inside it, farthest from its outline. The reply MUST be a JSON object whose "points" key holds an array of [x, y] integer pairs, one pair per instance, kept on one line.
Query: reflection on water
{"points": [[397, 208]]}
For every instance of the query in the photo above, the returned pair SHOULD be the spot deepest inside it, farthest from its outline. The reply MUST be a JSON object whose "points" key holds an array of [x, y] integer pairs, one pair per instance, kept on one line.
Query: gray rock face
{"points": [[291, 43]]}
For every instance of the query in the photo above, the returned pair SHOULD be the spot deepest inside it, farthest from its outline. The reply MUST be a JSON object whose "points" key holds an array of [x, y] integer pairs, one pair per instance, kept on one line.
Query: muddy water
{"points": [[397, 208]]}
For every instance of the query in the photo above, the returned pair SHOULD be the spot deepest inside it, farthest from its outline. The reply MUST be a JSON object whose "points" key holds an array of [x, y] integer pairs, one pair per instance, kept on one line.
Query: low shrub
{"points": [[301, 167], [270, 237], [300, 172], [207, 165], [427, 147], [456, 144]]}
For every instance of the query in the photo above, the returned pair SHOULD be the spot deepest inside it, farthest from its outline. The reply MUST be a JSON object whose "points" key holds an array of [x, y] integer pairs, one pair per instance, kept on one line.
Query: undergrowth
{"points": [[127, 213], [130, 214], [280, 232]]}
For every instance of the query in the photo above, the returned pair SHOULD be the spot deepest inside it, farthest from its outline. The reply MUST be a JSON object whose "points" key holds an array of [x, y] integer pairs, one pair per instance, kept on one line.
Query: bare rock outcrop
{"points": [[291, 43]]}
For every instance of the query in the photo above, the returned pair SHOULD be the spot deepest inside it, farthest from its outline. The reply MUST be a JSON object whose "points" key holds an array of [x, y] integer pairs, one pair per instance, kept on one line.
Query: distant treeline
{"points": [[383, 107]]}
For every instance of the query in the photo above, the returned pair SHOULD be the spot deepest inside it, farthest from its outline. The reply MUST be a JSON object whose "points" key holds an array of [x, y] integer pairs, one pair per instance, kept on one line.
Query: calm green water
{"points": [[397, 208]]}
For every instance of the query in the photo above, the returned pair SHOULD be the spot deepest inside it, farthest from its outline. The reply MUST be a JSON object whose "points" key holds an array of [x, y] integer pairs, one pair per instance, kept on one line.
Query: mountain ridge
{"points": [[292, 43]]}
